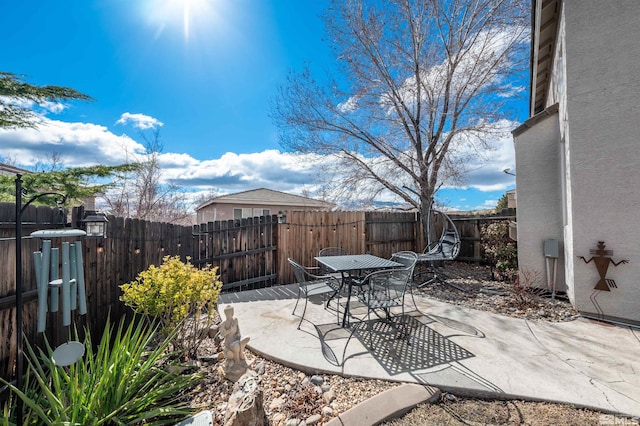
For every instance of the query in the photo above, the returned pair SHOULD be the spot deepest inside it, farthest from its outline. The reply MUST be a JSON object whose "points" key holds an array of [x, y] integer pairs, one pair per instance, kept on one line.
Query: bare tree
{"points": [[141, 194], [52, 162], [423, 84]]}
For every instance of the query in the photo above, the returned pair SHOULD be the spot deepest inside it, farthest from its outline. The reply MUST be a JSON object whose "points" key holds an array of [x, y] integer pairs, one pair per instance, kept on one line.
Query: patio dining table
{"points": [[348, 265]]}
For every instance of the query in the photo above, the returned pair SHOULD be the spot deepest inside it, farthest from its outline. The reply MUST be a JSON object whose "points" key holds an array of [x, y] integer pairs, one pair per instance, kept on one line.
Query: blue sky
{"points": [[204, 71]]}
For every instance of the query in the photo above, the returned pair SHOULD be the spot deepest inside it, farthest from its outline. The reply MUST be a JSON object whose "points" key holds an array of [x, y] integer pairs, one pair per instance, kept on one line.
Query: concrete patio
{"points": [[464, 351]]}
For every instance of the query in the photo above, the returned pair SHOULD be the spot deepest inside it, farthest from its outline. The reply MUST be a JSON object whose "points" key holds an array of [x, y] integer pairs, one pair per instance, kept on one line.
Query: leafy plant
{"points": [[178, 296], [499, 249], [126, 381]]}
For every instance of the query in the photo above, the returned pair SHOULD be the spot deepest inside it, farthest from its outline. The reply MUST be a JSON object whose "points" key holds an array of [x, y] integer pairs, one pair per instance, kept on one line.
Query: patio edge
{"points": [[387, 405]]}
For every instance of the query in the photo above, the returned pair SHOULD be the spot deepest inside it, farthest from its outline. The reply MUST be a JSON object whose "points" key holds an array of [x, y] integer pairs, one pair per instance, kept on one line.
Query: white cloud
{"points": [[139, 121], [475, 70], [78, 144], [349, 105], [485, 168], [84, 144]]}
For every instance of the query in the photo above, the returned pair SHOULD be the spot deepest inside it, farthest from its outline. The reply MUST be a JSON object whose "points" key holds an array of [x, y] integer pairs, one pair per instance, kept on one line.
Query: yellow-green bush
{"points": [[177, 295]]}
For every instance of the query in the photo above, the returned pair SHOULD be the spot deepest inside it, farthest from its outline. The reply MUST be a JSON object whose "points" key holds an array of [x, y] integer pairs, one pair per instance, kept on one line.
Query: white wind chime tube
{"points": [[72, 283]]}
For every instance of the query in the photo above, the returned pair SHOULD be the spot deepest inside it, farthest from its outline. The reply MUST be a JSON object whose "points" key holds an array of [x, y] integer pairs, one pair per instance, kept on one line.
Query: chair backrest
{"points": [[333, 251], [330, 251], [448, 246], [407, 258], [388, 287], [299, 271]]}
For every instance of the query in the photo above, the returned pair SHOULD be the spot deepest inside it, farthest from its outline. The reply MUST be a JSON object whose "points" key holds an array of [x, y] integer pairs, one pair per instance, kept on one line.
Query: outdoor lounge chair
{"points": [[447, 247], [310, 284]]}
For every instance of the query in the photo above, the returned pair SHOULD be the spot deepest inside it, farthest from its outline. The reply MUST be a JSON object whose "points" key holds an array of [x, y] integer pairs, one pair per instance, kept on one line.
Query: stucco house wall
{"points": [[254, 203], [603, 109], [588, 152], [214, 212], [538, 177]]}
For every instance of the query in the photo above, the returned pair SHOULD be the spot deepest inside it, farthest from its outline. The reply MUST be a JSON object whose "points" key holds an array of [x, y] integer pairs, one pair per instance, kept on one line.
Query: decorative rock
{"points": [[209, 358], [325, 387], [313, 419], [302, 376], [317, 380], [292, 422], [213, 331], [318, 390], [245, 403], [276, 404], [279, 418], [327, 411], [328, 396], [259, 368]]}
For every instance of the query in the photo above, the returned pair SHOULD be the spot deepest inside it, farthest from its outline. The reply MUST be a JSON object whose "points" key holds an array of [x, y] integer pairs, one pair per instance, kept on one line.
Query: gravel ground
{"points": [[290, 397]]}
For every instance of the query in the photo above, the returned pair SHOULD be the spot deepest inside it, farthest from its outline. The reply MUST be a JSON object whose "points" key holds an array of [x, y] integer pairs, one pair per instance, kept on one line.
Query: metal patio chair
{"points": [[310, 284], [409, 259], [384, 290], [330, 251]]}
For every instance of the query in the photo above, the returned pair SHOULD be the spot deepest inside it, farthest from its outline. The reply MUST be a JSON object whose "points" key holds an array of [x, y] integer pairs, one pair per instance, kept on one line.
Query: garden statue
{"points": [[235, 364]]}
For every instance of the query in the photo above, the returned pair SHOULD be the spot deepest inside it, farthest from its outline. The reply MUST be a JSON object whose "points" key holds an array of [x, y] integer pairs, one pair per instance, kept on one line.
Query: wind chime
{"points": [[60, 281]]}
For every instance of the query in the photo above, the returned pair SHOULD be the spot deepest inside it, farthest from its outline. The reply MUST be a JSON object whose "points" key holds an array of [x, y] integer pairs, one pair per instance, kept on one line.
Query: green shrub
{"points": [[499, 249], [177, 295], [126, 381]]}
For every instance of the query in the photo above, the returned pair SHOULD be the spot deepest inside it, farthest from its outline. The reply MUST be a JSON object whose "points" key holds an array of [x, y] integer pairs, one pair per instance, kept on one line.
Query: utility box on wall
{"points": [[551, 248]]}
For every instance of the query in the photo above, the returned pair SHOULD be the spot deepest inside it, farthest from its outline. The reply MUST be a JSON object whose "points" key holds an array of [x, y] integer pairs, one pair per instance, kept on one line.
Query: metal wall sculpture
{"points": [[602, 260]]}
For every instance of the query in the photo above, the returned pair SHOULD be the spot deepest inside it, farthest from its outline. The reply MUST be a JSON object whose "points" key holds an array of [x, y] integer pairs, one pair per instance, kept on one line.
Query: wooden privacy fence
{"points": [[249, 253], [129, 247], [470, 229], [243, 250], [378, 233]]}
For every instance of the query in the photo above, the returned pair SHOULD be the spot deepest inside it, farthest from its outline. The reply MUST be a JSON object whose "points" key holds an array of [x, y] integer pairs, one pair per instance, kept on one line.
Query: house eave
{"points": [[545, 18], [552, 110]]}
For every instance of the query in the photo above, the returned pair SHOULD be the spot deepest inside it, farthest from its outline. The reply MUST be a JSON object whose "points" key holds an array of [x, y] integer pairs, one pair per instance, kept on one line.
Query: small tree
{"points": [[140, 193], [503, 203]]}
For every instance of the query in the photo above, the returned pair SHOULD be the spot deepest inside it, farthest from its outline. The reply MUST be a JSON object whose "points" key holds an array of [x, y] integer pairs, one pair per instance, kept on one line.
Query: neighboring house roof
{"points": [[545, 16], [263, 196], [7, 169]]}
